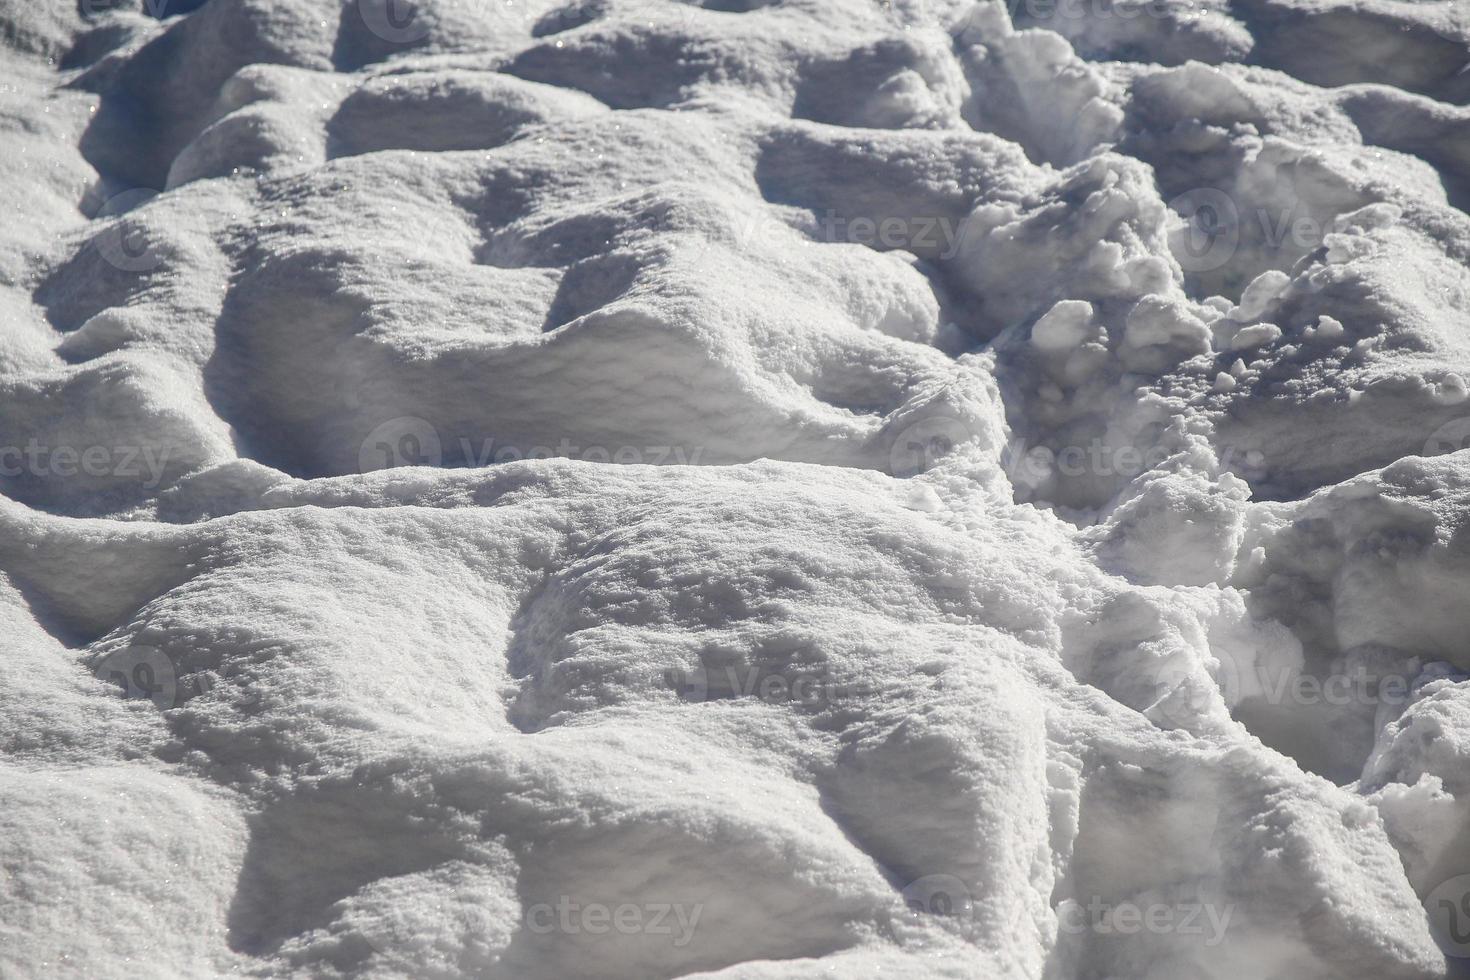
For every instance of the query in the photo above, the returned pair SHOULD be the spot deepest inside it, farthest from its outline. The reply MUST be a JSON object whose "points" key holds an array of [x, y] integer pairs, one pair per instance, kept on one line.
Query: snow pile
{"points": [[636, 488]]}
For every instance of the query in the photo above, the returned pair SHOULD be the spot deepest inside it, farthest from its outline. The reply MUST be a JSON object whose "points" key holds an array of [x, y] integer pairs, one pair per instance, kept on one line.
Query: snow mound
{"points": [[645, 488]]}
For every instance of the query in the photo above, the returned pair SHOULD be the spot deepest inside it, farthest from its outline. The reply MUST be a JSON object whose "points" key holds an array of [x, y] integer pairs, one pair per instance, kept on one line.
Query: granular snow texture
{"points": [[761, 488]]}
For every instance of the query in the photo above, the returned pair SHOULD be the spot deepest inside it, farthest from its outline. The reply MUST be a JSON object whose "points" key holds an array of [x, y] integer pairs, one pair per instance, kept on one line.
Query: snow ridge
{"points": [[647, 489]]}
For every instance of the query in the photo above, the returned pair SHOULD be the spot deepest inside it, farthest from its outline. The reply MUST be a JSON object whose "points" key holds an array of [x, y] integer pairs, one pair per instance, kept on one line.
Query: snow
{"points": [[640, 489]]}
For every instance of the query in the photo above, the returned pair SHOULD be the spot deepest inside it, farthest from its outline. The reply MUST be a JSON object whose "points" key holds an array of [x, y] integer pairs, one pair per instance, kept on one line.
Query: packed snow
{"points": [[645, 489]]}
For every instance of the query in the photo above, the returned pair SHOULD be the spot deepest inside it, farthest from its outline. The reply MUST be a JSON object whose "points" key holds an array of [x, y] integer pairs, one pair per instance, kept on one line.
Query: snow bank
{"points": [[636, 488]]}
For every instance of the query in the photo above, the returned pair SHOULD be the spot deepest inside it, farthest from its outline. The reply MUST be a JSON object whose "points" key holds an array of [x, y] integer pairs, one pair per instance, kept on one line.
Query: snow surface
{"points": [[629, 488]]}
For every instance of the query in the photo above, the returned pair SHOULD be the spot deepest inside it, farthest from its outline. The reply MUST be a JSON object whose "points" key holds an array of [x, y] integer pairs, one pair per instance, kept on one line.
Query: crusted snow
{"points": [[628, 488]]}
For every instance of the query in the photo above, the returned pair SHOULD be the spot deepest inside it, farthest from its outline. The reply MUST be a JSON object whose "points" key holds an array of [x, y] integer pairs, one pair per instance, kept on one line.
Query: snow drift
{"points": [[640, 488]]}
